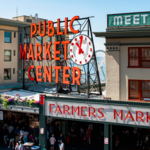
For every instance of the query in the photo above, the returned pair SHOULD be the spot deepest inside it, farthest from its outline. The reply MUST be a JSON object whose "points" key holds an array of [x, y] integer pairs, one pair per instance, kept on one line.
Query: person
{"points": [[20, 145], [60, 126], [47, 138], [17, 146], [135, 131], [52, 141], [139, 140], [91, 126], [82, 134], [21, 138], [16, 134], [60, 139], [30, 130], [61, 145], [88, 135], [5, 133], [72, 135], [21, 131], [31, 139], [117, 139], [11, 141], [51, 128], [25, 136], [10, 128], [36, 134], [146, 142], [84, 140]]}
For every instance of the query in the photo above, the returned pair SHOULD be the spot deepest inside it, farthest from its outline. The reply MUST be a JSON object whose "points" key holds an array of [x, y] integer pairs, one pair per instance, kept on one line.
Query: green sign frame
{"points": [[128, 19]]}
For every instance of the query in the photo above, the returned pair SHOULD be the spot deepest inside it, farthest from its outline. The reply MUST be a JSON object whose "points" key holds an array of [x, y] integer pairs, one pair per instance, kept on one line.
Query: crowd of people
{"points": [[19, 135], [134, 137], [16, 134], [76, 134]]}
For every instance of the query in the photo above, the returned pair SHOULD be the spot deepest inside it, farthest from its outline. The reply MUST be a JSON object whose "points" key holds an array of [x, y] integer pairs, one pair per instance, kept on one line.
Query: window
{"points": [[39, 39], [60, 38], [7, 37], [139, 57], [13, 70], [14, 34], [145, 90], [49, 39], [29, 20], [134, 90], [7, 55], [7, 74], [20, 37], [14, 52], [139, 89]]}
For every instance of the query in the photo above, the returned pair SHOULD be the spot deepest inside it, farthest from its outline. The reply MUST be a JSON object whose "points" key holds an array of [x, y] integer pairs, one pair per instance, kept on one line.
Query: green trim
{"points": [[106, 135], [110, 137], [112, 50], [8, 87], [125, 34], [101, 122], [98, 101], [130, 13], [120, 44], [112, 44], [20, 86]]}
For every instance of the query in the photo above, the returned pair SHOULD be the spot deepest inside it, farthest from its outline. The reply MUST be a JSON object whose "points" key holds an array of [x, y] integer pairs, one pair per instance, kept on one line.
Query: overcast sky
{"points": [[53, 9]]}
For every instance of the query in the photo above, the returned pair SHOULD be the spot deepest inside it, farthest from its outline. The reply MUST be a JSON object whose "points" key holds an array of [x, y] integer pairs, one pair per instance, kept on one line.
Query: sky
{"points": [[53, 9]]}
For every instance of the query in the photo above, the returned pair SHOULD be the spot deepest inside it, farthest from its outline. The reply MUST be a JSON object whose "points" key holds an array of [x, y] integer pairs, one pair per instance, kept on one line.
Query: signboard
{"points": [[101, 113], [105, 140], [85, 52], [1, 115], [42, 98], [41, 130], [128, 19]]}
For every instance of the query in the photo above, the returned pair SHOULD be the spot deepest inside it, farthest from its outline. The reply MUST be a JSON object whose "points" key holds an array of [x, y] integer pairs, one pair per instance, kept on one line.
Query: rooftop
{"points": [[10, 22], [29, 16]]}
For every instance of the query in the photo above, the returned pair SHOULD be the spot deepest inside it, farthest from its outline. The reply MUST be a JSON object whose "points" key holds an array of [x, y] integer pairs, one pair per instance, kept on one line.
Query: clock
{"points": [[81, 49]]}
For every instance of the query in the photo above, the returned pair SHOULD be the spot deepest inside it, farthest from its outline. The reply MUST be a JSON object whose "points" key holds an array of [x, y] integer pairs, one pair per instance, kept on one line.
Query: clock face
{"points": [[81, 49]]}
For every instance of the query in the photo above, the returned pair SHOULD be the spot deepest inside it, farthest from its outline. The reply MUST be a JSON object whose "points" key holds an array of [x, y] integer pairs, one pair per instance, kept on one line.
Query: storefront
{"points": [[102, 112], [127, 57]]}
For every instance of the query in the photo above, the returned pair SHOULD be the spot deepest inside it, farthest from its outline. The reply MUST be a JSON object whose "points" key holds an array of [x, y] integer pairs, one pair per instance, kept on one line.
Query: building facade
{"points": [[11, 34], [127, 56]]}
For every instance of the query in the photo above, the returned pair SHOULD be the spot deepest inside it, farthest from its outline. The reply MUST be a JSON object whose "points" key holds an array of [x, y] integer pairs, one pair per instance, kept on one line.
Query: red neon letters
{"points": [[47, 28]]}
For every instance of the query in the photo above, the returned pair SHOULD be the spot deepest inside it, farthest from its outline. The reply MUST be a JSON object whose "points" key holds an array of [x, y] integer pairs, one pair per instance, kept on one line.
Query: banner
{"points": [[128, 19], [100, 113]]}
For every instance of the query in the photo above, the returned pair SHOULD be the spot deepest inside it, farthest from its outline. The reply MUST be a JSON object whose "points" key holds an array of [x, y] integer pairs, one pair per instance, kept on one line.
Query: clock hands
{"points": [[80, 50]]}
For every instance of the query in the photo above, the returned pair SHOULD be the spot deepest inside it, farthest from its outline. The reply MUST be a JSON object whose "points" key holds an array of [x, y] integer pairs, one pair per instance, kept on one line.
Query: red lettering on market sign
{"points": [[49, 29], [139, 117], [120, 113], [102, 114], [91, 112], [129, 116], [75, 110], [147, 117]]}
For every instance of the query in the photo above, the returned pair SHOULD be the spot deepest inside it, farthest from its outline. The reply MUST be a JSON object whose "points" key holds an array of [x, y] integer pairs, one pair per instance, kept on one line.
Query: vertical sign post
{"points": [[42, 124]]}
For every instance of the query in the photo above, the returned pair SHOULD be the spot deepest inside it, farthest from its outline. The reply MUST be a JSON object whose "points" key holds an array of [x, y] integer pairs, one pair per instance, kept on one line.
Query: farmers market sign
{"points": [[128, 19]]}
